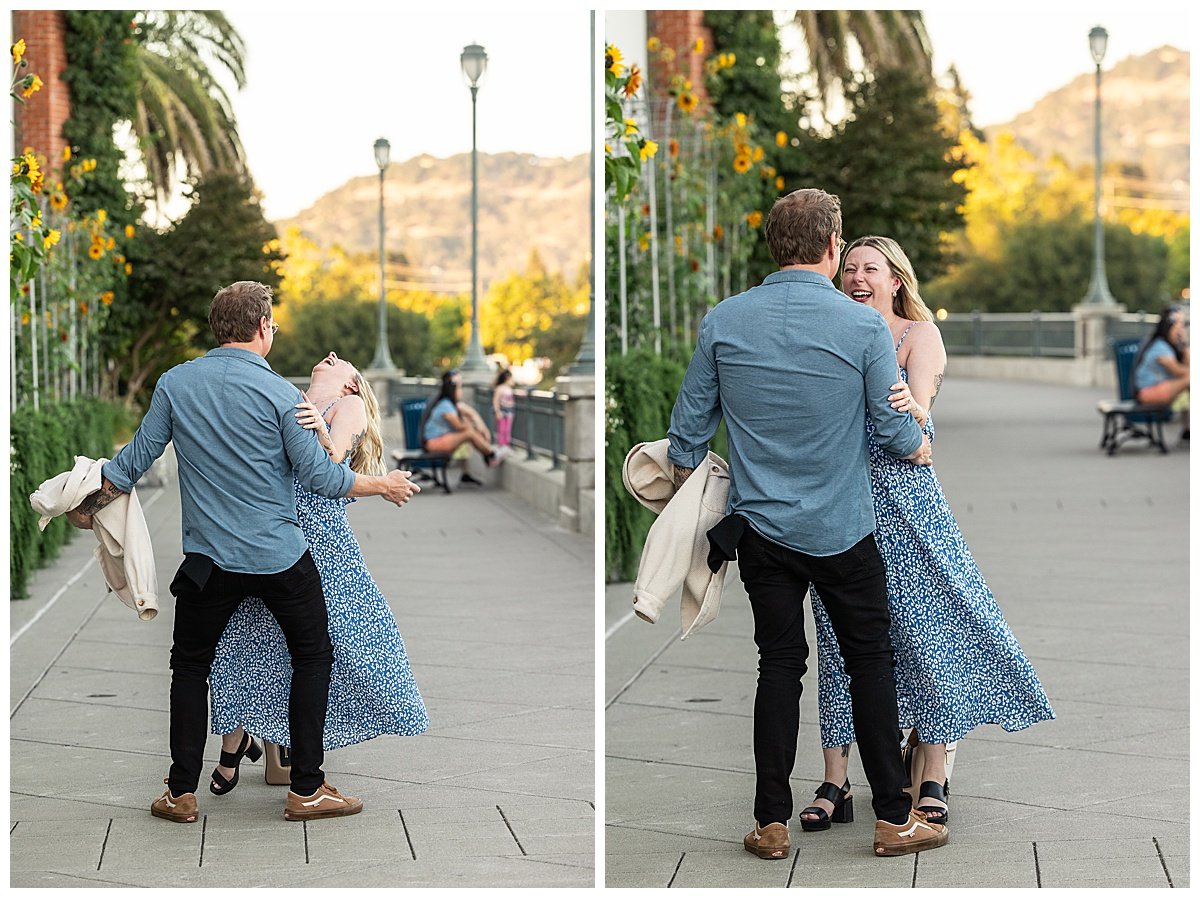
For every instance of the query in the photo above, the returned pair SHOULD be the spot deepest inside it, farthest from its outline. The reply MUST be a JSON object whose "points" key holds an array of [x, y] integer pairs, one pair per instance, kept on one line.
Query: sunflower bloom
{"points": [[779, 183], [58, 201], [107, 297], [673, 147], [613, 60], [128, 268], [101, 216], [653, 44], [129, 231], [95, 251], [644, 241], [741, 164], [754, 219], [718, 232], [83, 307], [741, 119], [24, 315], [635, 80], [37, 220], [630, 126], [18, 51], [34, 85], [649, 148], [679, 244], [66, 154], [688, 101], [51, 237], [698, 47], [757, 155]]}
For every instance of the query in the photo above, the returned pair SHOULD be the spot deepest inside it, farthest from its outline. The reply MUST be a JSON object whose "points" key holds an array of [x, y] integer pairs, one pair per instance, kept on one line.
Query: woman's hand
{"points": [[309, 418], [902, 400]]}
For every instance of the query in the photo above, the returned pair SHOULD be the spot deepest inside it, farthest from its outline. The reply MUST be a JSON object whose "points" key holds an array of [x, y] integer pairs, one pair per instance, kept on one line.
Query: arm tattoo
{"points": [[681, 475], [937, 386], [354, 443], [97, 500]]}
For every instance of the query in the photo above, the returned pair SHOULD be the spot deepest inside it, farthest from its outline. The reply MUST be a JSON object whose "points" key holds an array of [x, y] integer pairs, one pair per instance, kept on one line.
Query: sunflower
{"points": [[83, 307], [741, 119], [107, 297], [101, 216], [781, 139], [635, 80], [128, 268], [644, 241], [32, 85], [673, 147], [129, 231], [58, 201], [649, 148], [741, 164], [779, 183], [18, 51], [613, 59], [754, 219], [653, 44], [95, 251], [630, 127], [688, 101], [698, 47], [758, 155], [51, 237], [718, 232]]}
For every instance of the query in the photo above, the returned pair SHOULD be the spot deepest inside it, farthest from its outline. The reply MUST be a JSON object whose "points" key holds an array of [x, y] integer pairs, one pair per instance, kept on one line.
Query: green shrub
{"points": [[640, 390], [44, 443]]}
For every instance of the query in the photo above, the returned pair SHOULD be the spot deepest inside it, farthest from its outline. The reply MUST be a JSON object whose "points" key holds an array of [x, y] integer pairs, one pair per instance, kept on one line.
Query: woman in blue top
{"points": [[958, 664], [448, 423], [1162, 368], [371, 686]]}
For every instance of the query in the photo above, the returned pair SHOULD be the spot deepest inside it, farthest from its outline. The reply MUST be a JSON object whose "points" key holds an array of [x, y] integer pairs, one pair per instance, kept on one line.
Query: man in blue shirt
{"points": [[793, 366], [233, 422]]}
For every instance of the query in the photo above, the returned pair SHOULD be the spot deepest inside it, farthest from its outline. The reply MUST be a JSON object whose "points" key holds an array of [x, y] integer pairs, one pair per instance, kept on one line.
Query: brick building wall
{"points": [[39, 121], [679, 29]]}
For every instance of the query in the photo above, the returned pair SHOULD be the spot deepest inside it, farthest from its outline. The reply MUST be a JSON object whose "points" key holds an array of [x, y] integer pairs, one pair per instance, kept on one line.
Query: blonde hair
{"points": [[367, 457], [907, 302]]}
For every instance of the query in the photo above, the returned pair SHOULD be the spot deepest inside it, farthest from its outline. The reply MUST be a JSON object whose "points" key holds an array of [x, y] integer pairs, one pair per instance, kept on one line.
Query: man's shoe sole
{"points": [[767, 854], [914, 847], [320, 815]]}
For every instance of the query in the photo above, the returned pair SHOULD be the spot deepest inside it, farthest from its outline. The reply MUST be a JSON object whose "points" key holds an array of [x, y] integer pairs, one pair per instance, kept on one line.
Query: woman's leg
{"points": [[448, 442], [230, 742], [837, 763], [1164, 393], [934, 771]]}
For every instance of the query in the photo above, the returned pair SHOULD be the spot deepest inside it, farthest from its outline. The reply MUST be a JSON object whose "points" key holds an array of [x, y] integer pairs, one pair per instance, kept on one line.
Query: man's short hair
{"points": [[237, 310], [799, 225]]}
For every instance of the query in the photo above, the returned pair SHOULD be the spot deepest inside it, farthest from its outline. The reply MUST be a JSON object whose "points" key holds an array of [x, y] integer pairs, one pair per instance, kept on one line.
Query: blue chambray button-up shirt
{"points": [[793, 365], [233, 421]]}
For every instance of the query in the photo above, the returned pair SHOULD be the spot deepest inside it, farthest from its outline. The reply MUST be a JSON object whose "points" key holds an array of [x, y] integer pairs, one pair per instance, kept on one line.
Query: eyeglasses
{"points": [[841, 246], [274, 327]]}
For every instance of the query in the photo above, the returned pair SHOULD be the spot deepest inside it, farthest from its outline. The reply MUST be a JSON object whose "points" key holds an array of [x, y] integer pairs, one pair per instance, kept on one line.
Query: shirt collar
{"points": [[235, 353], [797, 275]]}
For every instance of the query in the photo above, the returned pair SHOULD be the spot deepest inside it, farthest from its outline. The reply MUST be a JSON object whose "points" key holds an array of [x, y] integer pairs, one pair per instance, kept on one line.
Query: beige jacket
{"points": [[125, 553], [676, 550]]}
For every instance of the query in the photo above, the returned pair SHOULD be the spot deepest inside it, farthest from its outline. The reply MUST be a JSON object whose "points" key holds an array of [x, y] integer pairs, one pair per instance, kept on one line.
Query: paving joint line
{"points": [[104, 844], [643, 669], [1162, 860], [87, 620], [407, 834], [512, 832], [671, 882], [1037, 867]]}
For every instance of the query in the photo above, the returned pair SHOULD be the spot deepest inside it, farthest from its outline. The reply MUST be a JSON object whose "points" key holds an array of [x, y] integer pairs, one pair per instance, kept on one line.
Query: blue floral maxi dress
{"points": [[958, 664], [371, 687]]}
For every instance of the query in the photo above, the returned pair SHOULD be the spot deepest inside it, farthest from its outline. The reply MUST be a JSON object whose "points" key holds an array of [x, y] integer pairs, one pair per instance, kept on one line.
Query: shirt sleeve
{"points": [[148, 443], [897, 433], [697, 410], [312, 465]]}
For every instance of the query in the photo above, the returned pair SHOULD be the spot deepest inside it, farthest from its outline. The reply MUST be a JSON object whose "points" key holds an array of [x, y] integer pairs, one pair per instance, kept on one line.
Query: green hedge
{"points": [[640, 390], [45, 443]]}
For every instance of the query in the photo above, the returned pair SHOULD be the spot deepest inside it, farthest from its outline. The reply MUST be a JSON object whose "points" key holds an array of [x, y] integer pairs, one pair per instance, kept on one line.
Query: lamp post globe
{"points": [[383, 358], [1098, 293], [474, 64]]}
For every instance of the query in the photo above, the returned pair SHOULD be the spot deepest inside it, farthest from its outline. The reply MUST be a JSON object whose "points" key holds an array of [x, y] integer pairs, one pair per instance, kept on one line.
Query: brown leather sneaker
{"points": [[325, 802], [176, 808], [918, 834], [770, 842]]}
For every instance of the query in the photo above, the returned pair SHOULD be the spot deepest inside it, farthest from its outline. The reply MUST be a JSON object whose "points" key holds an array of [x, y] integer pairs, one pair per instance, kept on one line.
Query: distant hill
{"points": [[1145, 120], [525, 202]]}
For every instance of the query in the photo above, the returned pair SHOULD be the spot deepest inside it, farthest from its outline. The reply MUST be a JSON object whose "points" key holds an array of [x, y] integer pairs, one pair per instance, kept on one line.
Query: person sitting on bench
{"points": [[450, 424], [1162, 368]]}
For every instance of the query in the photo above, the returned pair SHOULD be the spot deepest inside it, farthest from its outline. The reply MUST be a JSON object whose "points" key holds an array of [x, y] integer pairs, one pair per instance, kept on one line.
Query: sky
{"points": [[1009, 56], [322, 88]]}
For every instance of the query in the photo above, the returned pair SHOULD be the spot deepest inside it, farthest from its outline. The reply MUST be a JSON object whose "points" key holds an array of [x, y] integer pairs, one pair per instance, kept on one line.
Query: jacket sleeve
{"points": [[896, 432], [697, 410]]}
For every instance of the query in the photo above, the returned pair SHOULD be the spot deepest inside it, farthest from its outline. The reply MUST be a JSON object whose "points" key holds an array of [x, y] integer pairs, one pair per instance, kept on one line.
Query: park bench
{"points": [[414, 457], [1126, 419]]}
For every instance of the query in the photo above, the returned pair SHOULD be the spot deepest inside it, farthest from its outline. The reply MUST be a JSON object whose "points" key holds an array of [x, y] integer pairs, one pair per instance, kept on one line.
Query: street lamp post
{"points": [[474, 64], [383, 358], [1098, 293], [585, 361]]}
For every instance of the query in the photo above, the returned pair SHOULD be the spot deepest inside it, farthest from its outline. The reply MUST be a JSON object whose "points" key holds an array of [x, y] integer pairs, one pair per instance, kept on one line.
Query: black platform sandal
{"points": [[940, 792], [843, 808], [250, 749]]}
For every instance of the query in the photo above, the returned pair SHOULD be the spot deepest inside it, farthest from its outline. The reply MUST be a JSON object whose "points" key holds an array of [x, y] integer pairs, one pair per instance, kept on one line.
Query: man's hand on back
{"points": [[924, 453]]}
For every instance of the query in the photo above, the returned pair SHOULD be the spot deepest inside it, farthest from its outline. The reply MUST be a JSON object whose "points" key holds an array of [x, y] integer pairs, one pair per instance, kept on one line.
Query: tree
{"points": [[349, 326], [223, 238], [184, 120]]}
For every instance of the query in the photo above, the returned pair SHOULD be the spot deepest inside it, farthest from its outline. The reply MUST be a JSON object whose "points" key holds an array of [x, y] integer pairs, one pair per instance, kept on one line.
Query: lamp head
{"points": [[383, 151], [1098, 42], [474, 64]]}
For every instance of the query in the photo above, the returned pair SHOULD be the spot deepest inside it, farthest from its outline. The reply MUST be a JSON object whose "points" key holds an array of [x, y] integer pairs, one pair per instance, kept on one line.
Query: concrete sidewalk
{"points": [[1088, 558], [496, 606]]}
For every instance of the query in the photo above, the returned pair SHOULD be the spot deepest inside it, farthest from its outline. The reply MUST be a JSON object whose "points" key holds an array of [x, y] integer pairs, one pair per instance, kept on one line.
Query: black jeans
{"points": [[205, 598], [854, 591]]}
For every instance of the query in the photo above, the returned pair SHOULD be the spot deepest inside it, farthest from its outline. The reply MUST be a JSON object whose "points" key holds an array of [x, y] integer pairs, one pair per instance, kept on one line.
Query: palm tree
{"points": [[886, 39], [185, 122]]}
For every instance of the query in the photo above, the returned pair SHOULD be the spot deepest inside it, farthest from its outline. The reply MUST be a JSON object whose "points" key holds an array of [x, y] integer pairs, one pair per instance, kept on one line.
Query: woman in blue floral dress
{"points": [[371, 687], [957, 662]]}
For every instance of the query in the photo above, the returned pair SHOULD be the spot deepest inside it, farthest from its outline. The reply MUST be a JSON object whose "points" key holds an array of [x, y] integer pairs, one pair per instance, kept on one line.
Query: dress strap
{"points": [[325, 410], [905, 334]]}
